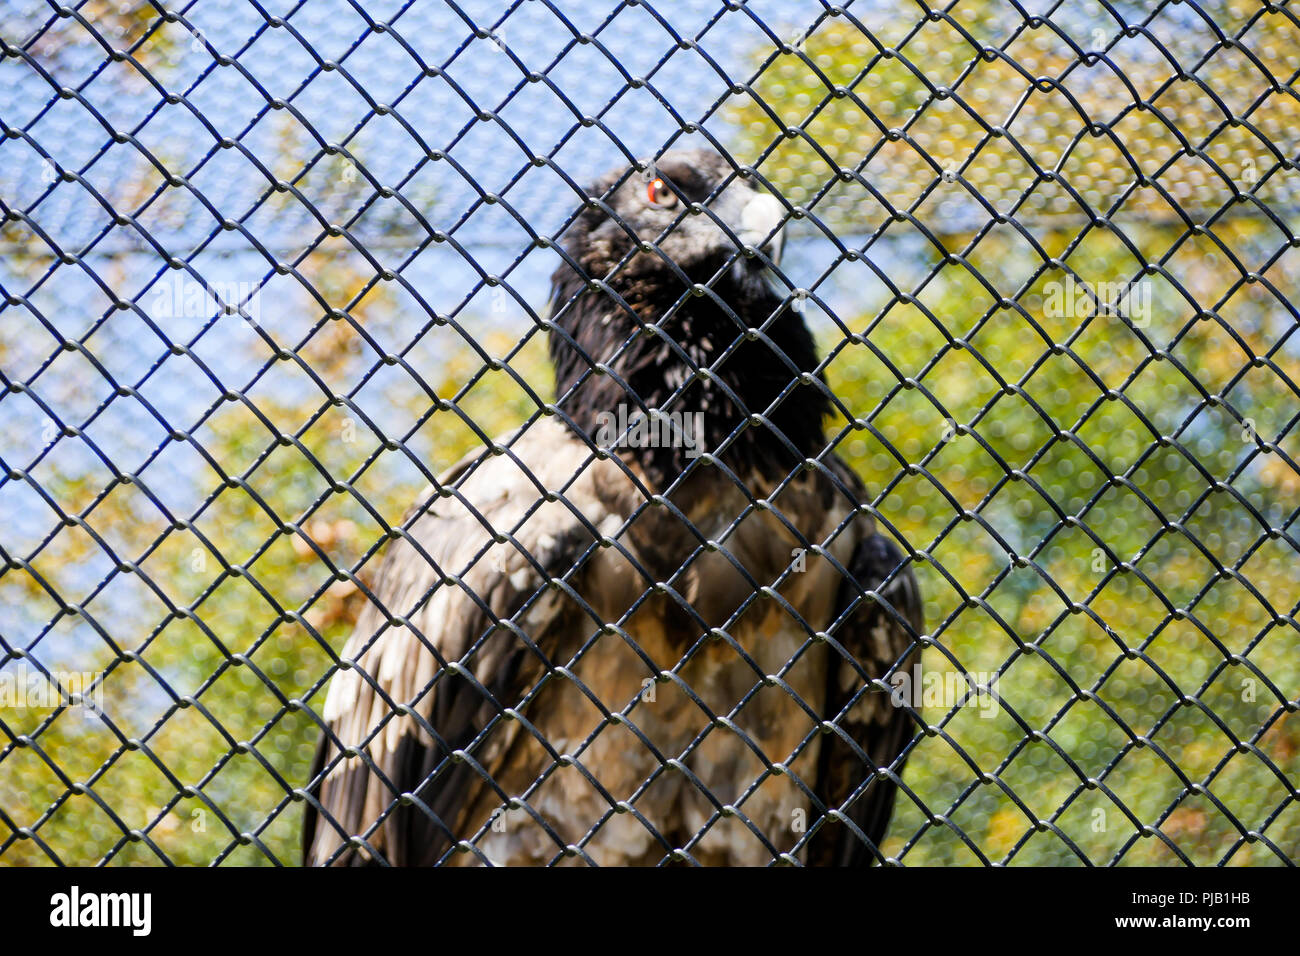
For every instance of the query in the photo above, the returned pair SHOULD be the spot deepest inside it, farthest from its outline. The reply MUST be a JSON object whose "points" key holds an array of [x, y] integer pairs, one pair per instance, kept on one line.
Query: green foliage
{"points": [[257, 607], [1095, 530]]}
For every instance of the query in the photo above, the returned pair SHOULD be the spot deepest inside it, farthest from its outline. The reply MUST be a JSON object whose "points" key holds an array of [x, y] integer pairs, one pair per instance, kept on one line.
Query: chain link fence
{"points": [[269, 273]]}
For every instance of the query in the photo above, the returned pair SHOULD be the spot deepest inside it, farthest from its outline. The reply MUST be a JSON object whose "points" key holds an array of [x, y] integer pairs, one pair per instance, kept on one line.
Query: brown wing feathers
{"points": [[873, 732], [400, 662]]}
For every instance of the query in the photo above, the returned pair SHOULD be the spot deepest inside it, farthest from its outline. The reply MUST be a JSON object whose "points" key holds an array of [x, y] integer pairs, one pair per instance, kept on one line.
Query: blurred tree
{"points": [[256, 602], [1085, 439]]}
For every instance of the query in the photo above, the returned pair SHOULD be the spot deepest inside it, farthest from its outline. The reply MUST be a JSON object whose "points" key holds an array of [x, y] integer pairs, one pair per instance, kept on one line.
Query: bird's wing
{"points": [[870, 731], [437, 647]]}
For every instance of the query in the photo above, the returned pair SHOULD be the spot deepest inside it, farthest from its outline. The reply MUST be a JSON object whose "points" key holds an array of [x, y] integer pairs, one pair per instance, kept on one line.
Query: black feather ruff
{"points": [[596, 328]]}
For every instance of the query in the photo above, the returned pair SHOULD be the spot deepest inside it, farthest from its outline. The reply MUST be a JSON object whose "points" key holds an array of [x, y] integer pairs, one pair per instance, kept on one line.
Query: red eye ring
{"points": [[660, 195]]}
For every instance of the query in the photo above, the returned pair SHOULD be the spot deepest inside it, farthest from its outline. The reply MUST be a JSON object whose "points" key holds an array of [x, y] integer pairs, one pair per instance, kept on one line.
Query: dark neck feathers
{"points": [[702, 417]]}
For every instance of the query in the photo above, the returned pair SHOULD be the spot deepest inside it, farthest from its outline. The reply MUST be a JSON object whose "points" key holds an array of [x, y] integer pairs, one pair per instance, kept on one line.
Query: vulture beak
{"points": [[760, 226]]}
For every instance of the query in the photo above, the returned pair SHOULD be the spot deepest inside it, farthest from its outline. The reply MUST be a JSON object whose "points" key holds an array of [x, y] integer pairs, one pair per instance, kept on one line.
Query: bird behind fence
{"points": [[657, 624]]}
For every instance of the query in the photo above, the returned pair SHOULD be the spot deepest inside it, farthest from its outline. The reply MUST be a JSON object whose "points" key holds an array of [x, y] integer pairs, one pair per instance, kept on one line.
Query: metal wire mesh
{"points": [[268, 274]]}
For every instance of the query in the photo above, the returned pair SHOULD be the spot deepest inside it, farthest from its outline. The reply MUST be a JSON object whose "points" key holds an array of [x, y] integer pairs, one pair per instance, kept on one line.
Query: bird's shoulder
{"points": [[475, 549]]}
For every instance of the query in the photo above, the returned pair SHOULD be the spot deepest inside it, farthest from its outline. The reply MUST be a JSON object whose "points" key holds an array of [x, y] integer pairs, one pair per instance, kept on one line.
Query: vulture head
{"points": [[668, 334], [681, 209]]}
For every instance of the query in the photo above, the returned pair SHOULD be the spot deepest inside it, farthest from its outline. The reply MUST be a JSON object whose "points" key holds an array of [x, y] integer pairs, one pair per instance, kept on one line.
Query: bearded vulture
{"points": [[656, 625]]}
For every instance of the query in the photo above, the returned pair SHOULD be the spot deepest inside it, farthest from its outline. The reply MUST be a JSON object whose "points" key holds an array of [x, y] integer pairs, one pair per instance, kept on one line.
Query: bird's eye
{"points": [[660, 195]]}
